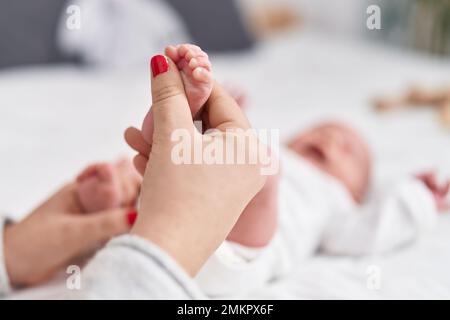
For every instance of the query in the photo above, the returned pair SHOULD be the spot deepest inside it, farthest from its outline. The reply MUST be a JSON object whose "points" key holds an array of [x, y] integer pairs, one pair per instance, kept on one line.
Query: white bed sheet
{"points": [[54, 121]]}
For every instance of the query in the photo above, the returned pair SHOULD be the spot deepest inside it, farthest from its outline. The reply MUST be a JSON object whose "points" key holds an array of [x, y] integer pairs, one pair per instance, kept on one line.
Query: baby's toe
{"points": [[191, 51], [172, 53], [183, 65], [200, 62], [201, 74]]}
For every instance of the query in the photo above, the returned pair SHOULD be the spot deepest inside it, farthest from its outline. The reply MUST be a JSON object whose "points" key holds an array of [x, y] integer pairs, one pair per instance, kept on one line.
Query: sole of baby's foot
{"points": [[195, 69], [99, 188]]}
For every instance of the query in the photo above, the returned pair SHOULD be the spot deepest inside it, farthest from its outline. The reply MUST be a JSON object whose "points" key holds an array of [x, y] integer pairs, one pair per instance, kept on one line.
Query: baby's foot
{"points": [[195, 69], [106, 186]]}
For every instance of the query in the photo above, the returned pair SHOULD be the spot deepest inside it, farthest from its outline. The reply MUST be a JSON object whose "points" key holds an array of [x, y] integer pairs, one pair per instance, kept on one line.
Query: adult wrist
{"points": [[181, 244]]}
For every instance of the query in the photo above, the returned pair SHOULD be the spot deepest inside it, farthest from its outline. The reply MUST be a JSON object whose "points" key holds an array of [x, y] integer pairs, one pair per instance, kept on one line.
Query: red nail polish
{"points": [[159, 65], [131, 217]]}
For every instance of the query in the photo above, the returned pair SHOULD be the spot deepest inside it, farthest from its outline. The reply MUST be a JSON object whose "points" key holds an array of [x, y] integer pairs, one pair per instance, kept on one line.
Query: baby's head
{"points": [[340, 152]]}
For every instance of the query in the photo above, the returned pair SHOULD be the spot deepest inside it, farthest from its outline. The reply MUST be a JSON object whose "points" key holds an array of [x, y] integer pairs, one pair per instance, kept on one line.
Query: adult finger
{"points": [[140, 163], [136, 141], [99, 227], [223, 111], [170, 106]]}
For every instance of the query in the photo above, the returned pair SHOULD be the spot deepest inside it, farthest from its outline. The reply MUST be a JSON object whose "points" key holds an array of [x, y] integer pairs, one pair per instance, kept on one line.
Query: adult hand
{"points": [[54, 235], [189, 209]]}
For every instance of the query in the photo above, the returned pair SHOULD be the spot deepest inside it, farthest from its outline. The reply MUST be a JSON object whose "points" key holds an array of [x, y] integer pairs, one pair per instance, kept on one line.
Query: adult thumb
{"points": [[170, 106]]}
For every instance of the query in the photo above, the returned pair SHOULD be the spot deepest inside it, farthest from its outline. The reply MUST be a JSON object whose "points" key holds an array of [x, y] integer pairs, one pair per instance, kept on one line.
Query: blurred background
{"points": [[74, 75], [30, 31]]}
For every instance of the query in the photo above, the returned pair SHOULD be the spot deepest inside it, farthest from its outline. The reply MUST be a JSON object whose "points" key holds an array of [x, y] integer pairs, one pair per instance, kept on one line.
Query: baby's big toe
{"points": [[172, 53]]}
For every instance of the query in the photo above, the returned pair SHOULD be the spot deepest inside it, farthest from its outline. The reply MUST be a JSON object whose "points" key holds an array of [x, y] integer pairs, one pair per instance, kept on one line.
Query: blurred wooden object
{"points": [[419, 97], [272, 19], [445, 114]]}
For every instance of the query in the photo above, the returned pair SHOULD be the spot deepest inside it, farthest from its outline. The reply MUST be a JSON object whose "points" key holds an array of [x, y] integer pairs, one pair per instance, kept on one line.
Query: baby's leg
{"points": [[257, 224], [106, 186]]}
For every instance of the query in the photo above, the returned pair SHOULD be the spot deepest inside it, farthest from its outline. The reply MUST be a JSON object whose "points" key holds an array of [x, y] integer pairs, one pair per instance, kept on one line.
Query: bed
{"points": [[56, 120]]}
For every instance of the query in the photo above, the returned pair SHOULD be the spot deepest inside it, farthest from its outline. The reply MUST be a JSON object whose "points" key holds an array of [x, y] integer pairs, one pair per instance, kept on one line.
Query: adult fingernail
{"points": [[159, 64], [131, 217]]}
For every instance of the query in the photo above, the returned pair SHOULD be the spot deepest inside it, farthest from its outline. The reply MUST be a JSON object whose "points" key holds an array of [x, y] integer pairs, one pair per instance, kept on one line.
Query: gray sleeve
{"points": [[5, 287], [133, 268]]}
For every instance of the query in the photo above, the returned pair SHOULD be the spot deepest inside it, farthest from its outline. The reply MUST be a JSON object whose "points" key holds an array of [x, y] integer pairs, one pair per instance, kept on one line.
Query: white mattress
{"points": [[54, 121]]}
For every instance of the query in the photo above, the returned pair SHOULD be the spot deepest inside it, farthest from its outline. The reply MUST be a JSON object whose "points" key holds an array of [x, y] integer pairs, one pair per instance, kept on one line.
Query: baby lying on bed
{"points": [[317, 203]]}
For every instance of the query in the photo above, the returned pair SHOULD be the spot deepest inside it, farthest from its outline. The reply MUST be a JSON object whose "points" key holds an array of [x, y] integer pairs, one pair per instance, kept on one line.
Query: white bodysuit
{"points": [[317, 213]]}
